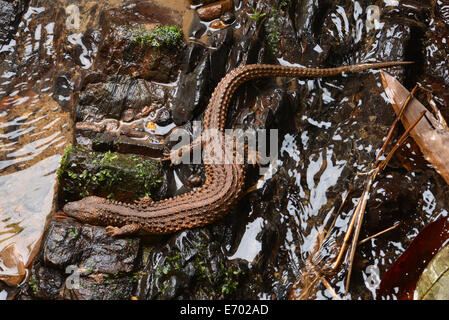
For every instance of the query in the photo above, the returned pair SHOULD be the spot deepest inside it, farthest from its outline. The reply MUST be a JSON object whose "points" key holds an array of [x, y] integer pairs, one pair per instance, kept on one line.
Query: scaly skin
{"points": [[224, 182]]}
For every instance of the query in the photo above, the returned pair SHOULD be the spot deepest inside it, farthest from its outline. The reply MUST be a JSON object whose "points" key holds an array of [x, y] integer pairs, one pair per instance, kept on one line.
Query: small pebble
{"points": [[218, 24]]}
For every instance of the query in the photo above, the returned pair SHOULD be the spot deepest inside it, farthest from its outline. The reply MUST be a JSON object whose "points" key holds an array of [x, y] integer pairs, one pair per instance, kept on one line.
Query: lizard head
{"points": [[85, 210]]}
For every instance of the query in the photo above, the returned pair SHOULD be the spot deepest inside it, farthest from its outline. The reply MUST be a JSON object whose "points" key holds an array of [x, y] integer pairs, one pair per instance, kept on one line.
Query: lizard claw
{"points": [[166, 158], [60, 216], [112, 231], [173, 157]]}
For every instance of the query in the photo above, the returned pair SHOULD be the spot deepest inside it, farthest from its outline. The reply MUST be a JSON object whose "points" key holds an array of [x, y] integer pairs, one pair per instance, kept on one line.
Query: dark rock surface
{"points": [[105, 265], [112, 98], [11, 12]]}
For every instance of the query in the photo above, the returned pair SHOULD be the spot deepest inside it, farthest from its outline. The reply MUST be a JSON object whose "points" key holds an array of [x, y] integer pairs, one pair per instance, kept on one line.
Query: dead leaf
{"points": [[434, 281], [429, 134], [11, 259], [400, 280]]}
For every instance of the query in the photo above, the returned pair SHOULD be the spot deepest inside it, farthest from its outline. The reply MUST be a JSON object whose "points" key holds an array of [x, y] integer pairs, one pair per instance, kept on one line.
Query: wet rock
{"points": [[163, 117], [10, 14], [192, 93], [63, 89], [197, 83], [142, 42], [89, 248], [43, 283], [128, 115], [120, 138], [109, 174], [214, 10], [104, 287], [201, 2], [110, 99], [191, 266], [122, 48], [228, 17], [197, 28], [99, 266], [149, 148]]}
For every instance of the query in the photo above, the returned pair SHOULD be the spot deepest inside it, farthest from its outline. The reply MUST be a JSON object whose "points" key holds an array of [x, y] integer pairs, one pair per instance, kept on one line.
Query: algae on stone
{"points": [[168, 36]]}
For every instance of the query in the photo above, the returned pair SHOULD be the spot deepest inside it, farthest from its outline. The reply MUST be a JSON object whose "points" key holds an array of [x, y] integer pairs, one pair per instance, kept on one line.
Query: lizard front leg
{"points": [[175, 156]]}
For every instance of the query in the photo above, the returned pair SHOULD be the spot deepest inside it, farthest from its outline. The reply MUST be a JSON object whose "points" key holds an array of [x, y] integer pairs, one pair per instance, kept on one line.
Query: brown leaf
{"points": [[400, 280], [10, 259], [429, 134]]}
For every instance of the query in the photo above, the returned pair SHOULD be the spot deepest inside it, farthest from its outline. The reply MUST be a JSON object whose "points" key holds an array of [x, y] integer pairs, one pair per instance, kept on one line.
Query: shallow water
{"points": [[34, 130]]}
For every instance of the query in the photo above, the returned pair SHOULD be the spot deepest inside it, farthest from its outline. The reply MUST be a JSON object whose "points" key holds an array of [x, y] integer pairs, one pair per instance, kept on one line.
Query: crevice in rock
{"points": [[414, 51], [320, 16]]}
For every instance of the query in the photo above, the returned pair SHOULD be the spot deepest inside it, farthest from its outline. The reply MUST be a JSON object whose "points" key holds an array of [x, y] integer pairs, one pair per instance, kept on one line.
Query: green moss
{"points": [[110, 278], [32, 282], [136, 276], [273, 30], [230, 280], [170, 265], [270, 21], [63, 162], [257, 15], [73, 233], [284, 3], [168, 36], [211, 279]]}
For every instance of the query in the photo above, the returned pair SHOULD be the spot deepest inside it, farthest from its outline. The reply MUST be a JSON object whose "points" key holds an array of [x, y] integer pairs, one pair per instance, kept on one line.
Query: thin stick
{"points": [[380, 167], [379, 233], [395, 122], [377, 166], [401, 140], [340, 208], [435, 109], [348, 234], [355, 239], [329, 288]]}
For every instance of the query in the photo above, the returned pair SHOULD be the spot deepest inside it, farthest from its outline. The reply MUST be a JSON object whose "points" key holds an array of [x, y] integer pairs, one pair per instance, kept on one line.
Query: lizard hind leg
{"points": [[128, 229], [145, 201]]}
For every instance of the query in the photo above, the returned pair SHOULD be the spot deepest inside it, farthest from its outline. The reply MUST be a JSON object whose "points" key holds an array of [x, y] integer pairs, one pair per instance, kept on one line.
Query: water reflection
{"points": [[250, 246], [27, 198], [33, 132]]}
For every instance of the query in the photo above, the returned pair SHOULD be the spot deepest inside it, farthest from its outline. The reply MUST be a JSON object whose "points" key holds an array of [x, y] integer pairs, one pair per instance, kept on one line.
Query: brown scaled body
{"points": [[224, 182]]}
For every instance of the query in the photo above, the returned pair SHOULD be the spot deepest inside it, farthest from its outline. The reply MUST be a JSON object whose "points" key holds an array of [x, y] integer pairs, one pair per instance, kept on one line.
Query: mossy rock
{"points": [[109, 174], [161, 36]]}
